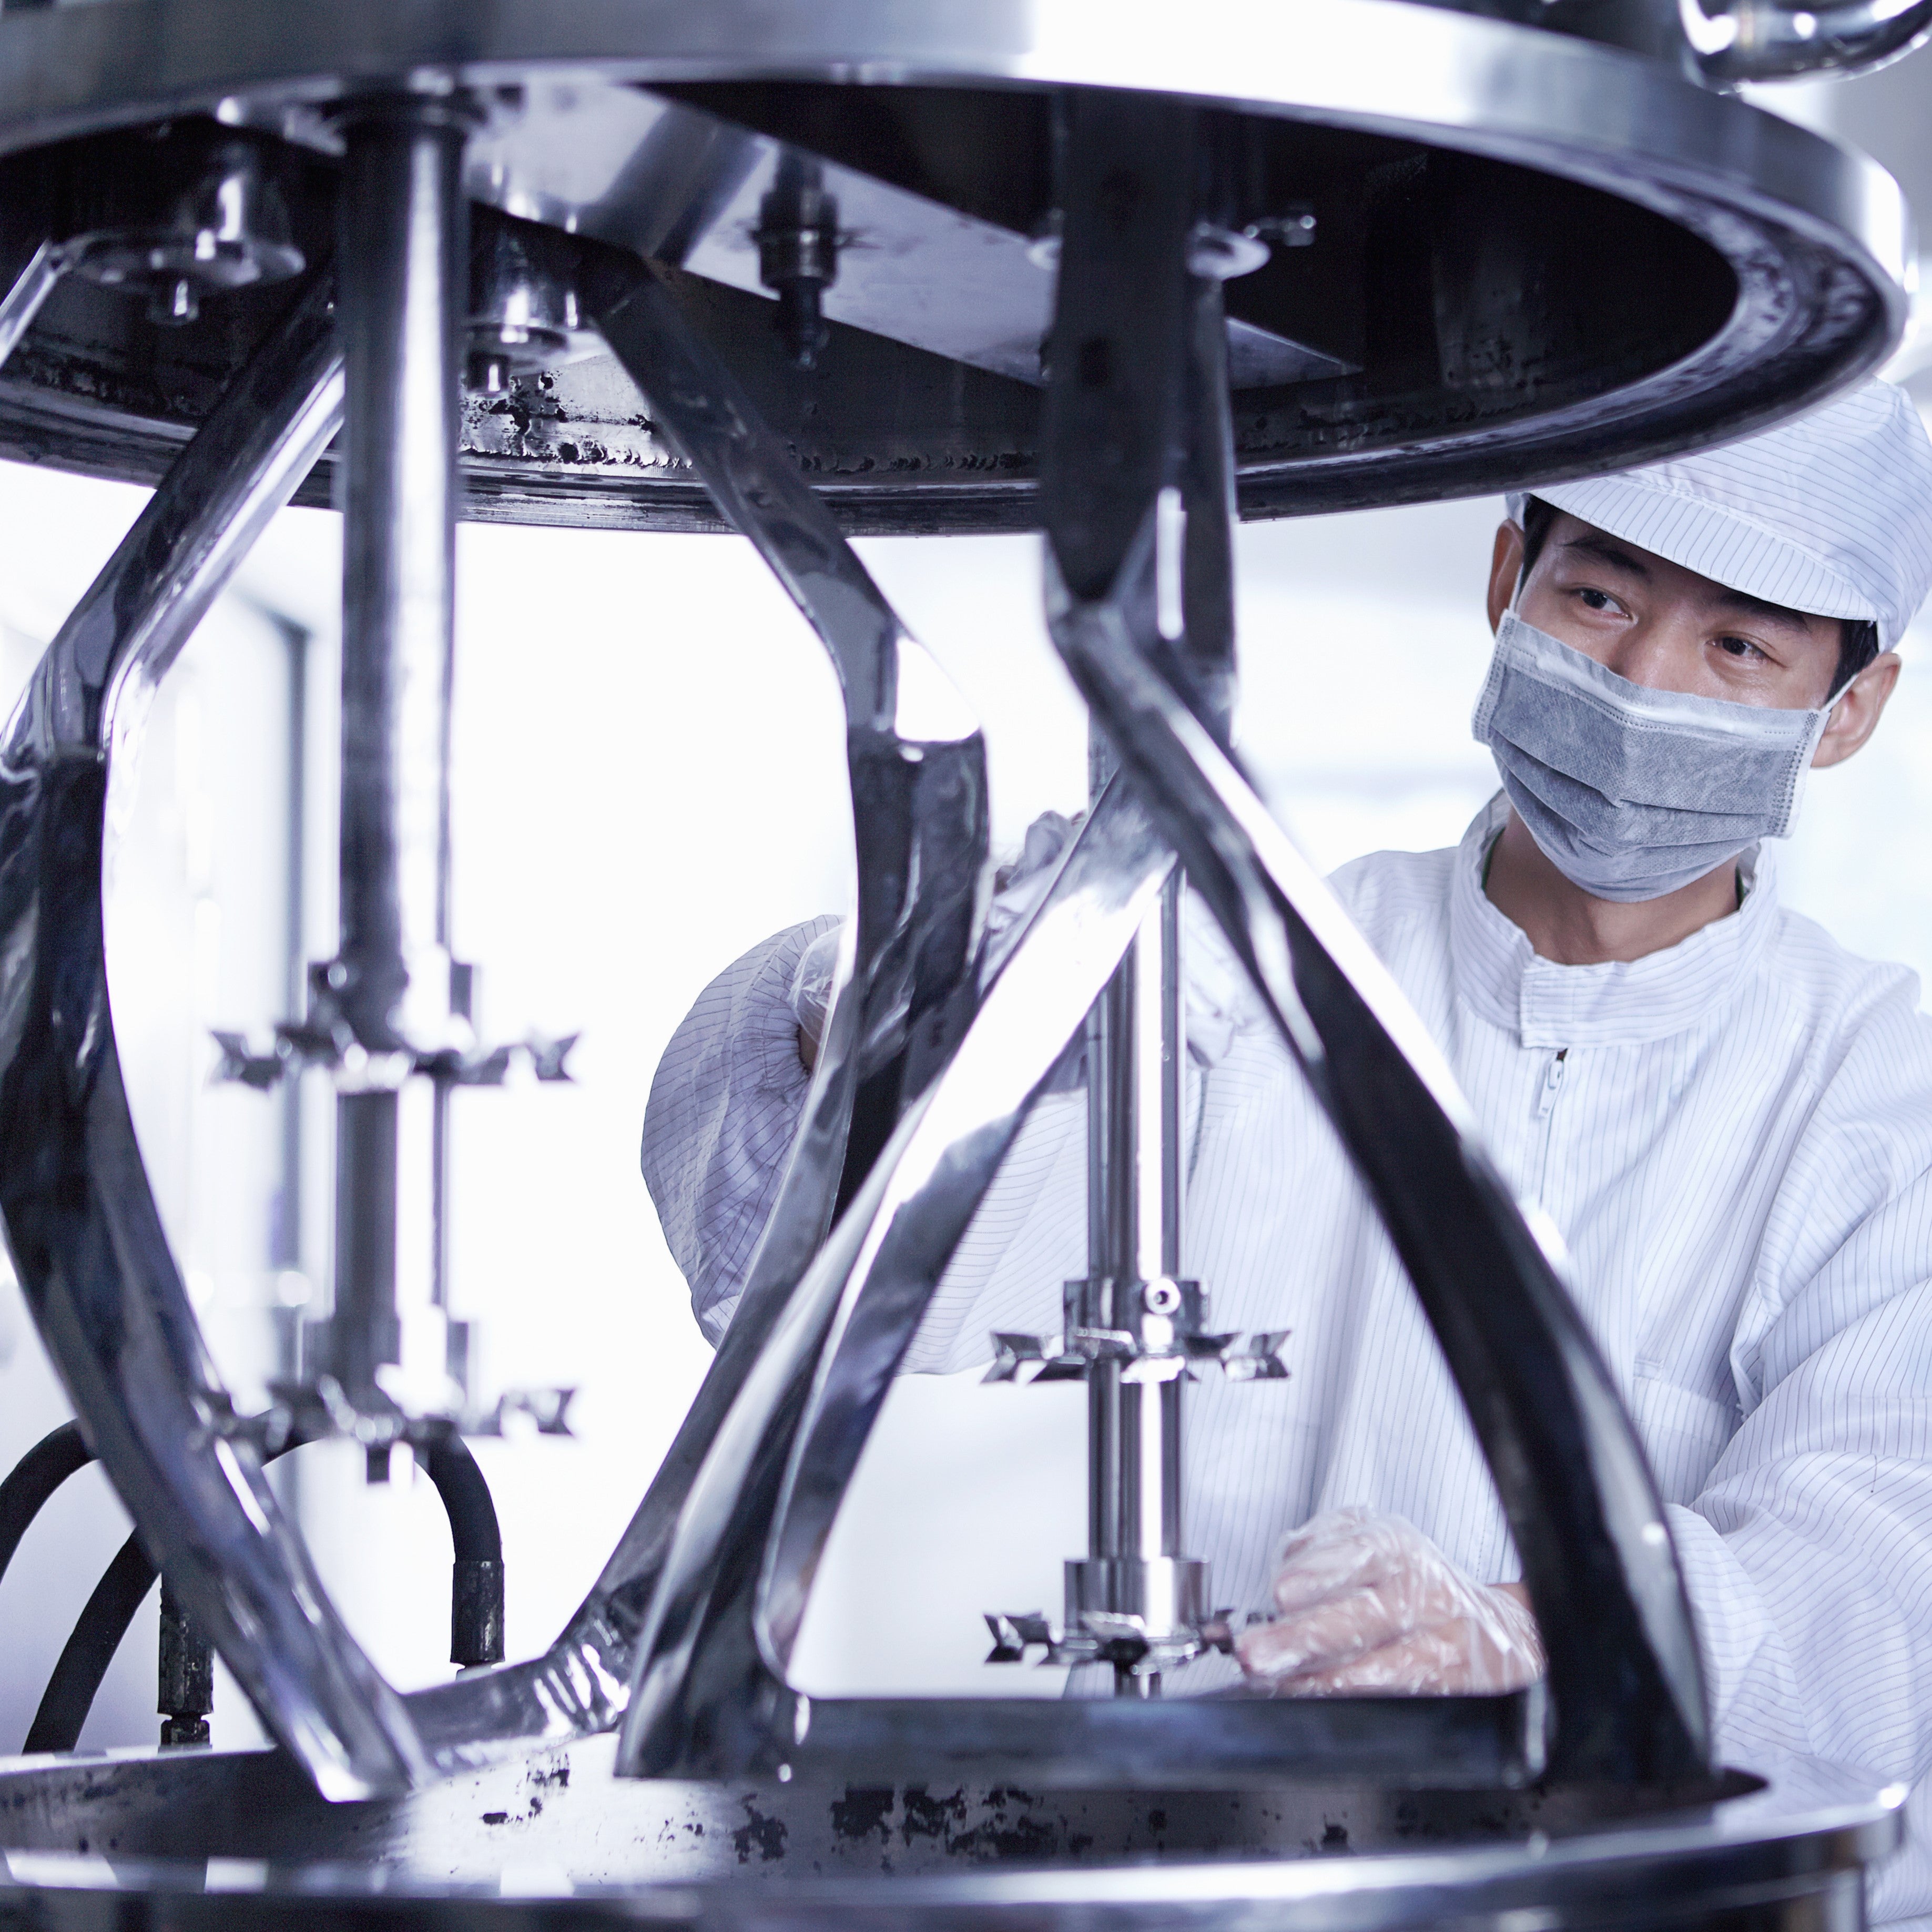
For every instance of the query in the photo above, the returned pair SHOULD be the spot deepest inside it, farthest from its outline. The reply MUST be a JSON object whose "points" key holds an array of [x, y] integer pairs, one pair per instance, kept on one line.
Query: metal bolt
{"points": [[798, 257]]}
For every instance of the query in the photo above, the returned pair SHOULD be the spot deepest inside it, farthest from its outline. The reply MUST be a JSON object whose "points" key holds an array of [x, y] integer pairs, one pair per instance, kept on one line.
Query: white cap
{"points": [[1830, 513]]}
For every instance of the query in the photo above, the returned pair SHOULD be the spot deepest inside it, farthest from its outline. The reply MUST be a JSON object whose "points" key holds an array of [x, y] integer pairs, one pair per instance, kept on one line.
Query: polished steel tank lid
{"points": [[1461, 251]]}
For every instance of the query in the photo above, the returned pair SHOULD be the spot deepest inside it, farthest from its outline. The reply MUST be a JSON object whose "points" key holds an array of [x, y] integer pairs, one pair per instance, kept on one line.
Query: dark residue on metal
{"points": [[764, 1835], [863, 1810], [927, 1816], [1022, 1837]]}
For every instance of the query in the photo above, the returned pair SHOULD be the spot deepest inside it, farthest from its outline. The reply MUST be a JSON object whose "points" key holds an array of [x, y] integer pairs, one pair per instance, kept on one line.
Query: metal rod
{"points": [[366, 1333], [31, 287], [404, 255], [287, 1239], [438, 1212], [1135, 1186], [403, 270], [185, 1669]]}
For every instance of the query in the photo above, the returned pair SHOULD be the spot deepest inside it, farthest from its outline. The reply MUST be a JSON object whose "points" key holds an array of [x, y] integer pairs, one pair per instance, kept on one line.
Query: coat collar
{"points": [[1622, 1003]]}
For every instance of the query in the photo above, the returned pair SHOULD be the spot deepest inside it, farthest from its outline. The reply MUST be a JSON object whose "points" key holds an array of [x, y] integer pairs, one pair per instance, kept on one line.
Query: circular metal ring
{"points": [[589, 1850], [1813, 240]]}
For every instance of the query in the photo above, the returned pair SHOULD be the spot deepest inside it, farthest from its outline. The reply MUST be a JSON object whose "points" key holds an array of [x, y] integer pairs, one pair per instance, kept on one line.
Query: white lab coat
{"points": [[1735, 1137]]}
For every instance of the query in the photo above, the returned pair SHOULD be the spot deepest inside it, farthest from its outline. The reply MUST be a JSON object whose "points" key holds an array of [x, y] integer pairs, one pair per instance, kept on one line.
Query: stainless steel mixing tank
{"points": [[799, 271]]}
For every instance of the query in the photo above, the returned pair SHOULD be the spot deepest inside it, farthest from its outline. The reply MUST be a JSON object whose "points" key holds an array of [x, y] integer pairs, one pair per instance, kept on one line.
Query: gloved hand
{"points": [[1017, 889], [1220, 1002], [810, 992], [1368, 1603]]}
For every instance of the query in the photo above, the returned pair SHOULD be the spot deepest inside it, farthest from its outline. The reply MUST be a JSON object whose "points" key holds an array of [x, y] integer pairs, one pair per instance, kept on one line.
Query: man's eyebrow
{"points": [[1607, 550], [1760, 607]]}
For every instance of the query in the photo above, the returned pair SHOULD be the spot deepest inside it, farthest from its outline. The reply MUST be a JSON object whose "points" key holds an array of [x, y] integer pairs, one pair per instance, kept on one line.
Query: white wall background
{"points": [[649, 779]]}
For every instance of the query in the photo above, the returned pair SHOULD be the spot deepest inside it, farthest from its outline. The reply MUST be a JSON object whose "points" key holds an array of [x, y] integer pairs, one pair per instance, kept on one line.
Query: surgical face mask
{"points": [[1632, 793]]}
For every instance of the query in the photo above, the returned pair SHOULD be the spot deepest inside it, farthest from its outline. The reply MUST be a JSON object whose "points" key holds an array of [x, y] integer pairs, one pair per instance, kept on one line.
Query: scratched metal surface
{"points": [[562, 1812]]}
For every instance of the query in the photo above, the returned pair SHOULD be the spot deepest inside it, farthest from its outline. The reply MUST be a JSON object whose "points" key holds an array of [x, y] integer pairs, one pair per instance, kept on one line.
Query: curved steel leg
{"points": [[92, 1257], [1625, 1677], [709, 1675], [710, 1698], [905, 985], [914, 752], [28, 295]]}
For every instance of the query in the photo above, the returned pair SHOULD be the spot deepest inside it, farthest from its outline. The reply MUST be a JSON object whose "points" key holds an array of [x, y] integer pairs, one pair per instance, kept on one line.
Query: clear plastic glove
{"points": [[1367, 1604], [1220, 1002], [810, 993], [1018, 888]]}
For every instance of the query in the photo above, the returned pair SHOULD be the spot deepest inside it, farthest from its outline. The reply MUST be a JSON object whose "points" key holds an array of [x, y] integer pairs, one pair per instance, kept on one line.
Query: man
{"points": [[1729, 1117]]}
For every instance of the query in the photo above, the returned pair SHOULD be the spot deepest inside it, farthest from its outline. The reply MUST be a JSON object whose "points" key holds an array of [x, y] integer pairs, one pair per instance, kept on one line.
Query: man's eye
{"points": [[1741, 648], [1597, 600]]}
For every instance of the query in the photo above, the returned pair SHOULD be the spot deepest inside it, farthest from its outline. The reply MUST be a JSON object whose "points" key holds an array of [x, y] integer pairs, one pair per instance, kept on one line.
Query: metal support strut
{"points": [[404, 256], [1135, 1567]]}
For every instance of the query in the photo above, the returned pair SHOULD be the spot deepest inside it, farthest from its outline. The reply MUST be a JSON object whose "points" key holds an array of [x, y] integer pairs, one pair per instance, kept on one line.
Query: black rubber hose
{"points": [[36, 1476], [104, 1621], [475, 1607], [69, 1693], [476, 1581]]}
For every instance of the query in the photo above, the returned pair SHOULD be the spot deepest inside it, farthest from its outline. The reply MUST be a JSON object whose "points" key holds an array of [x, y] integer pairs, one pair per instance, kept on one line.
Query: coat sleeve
{"points": [[1808, 1552], [725, 1105], [1808, 1558], [724, 1109]]}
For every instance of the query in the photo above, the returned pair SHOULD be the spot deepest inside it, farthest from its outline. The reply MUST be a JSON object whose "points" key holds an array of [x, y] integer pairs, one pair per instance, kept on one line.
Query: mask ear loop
{"points": [[1822, 717], [1509, 611], [1516, 509]]}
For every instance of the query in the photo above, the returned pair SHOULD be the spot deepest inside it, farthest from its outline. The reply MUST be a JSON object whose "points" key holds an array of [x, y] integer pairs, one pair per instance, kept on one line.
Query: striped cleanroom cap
{"points": [[1830, 513]]}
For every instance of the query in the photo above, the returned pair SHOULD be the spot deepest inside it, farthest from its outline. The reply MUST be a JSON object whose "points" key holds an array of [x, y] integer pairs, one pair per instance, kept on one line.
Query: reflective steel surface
{"points": [[1625, 1681], [220, 1840], [1504, 162], [1763, 40], [732, 270], [93, 1260]]}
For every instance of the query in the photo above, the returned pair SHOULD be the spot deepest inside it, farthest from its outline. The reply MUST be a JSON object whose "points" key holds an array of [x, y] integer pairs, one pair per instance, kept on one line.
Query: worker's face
{"points": [[1664, 627]]}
